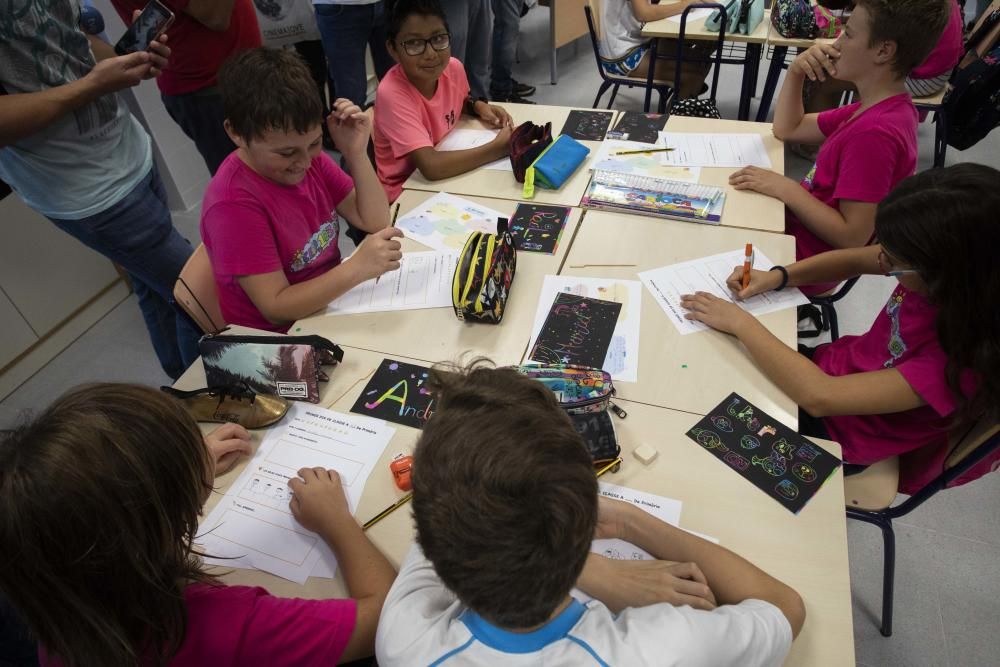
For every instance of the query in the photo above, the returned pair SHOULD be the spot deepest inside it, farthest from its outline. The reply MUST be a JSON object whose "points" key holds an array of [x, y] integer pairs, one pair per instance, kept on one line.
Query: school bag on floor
{"points": [[972, 105]]}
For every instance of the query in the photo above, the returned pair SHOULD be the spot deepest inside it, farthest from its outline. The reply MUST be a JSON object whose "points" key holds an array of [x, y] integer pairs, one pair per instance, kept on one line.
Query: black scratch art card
{"points": [[397, 392], [538, 227], [578, 330], [773, 457], [638, 126], [587, 125]]}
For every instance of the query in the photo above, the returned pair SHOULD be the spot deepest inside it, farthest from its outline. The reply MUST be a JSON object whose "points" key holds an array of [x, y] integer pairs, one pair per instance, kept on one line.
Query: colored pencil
{"points": [[747, 265], [392, 224], [646, 150], [387, 511]]}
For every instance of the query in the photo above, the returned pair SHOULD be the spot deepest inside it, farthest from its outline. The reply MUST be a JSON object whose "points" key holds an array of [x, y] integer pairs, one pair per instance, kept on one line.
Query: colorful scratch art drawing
{"points": [[622, 359], [577, 331], [444, 221], [538, 227], [638, 126], [587, 125], [775, 459], [397, 392]]}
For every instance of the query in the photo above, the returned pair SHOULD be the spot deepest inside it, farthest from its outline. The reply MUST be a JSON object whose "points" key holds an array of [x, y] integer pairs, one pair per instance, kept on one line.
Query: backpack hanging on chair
{"points": [[972, 105]]}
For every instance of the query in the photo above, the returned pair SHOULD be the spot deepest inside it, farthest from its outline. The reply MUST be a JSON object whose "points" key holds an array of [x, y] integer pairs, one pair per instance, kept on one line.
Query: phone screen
{"points": [[151, 22]]}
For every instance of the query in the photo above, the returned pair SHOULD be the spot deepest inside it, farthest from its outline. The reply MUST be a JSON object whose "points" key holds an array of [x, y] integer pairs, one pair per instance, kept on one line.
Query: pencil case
{"points": [[553, 167], [484, 274], [287, 366], [526, 143]]}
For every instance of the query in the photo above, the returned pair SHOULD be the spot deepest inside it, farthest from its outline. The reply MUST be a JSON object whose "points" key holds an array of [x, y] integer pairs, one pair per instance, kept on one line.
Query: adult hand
{"points": [[493, 115], [639, 583], [760, 282], [378, 253], [350, 128], [226, 444], [158, 51], [817, 62], [717, 313], [764, 181], [318, 500]]}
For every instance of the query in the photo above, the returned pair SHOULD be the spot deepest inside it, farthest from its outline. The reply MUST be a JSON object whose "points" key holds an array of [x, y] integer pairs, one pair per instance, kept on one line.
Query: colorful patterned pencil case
{"points": [[555, 165], [288, 366], [484, 275]]}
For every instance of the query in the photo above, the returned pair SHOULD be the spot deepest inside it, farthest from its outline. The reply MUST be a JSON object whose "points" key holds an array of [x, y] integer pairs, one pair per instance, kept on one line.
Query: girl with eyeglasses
{"points": [[421, 99], [930, 361]]}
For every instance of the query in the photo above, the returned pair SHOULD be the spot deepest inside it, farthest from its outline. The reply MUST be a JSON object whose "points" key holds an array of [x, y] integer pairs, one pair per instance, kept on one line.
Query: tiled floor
{"points": [[947, 590]]}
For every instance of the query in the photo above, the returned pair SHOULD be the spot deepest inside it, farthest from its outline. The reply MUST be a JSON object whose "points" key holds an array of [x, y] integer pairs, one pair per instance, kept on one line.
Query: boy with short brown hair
{"points": [[506, 506]]}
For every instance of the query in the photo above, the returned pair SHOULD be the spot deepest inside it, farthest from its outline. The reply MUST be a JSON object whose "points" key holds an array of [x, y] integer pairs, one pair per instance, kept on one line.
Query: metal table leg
{"points": [[771, 83]]}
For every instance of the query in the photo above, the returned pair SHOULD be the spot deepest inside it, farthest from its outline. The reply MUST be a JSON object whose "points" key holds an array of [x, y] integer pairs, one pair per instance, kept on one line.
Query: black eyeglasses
{"points": [[416, 47]]}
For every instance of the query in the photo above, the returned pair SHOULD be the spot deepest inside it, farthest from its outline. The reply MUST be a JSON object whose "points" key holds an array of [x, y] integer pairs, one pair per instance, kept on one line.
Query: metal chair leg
{"points": [[614, 92], [600, 91], [888, 576]]}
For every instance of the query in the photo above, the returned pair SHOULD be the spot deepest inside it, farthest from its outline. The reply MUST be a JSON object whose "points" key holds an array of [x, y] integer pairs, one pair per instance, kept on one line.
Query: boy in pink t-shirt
{"points": [[420, 100], [270, 217], [867, 147]]}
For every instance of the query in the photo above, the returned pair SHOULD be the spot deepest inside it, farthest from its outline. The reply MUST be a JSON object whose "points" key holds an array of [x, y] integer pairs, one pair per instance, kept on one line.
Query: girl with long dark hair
{"points": [[930, 363]]}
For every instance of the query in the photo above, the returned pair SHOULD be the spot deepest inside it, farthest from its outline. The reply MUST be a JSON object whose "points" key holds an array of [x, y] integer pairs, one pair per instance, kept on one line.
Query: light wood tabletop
{"points": [[436, 334], [501, 184], [691, 372], [807, 551], [695, 29]]}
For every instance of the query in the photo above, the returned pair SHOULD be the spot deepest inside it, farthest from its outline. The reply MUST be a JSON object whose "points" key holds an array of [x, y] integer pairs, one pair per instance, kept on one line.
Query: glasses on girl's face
{"points": [[416, 47], [886, 265]]}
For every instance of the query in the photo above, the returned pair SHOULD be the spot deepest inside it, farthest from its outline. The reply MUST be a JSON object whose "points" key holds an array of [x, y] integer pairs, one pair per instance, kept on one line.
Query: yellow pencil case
{"points": [[483, 276]]}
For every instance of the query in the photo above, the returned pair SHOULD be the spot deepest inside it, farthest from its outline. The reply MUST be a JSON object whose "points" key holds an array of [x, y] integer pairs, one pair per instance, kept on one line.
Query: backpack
{"points": [[794, 19], [972, 105]]}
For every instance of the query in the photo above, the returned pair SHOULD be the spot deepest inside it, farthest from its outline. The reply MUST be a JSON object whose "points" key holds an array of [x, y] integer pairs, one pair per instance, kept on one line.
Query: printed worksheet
{"points": [[709, 274], [252, 526], [462, 139], [444, 221], [714, 150], [622, 359], [619, 156], [423, 280]]}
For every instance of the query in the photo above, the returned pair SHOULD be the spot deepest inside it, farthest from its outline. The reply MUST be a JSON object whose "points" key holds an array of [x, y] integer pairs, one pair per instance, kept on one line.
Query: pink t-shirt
{"points": [[903, 337], [243, 625], [405, 120], [947, 52], [862, 159], [252, 225]]}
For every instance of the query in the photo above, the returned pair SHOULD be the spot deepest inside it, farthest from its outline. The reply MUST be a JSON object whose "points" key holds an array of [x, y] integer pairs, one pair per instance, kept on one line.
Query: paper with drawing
{"points": [[444, 221], [252, 526], [622, 359], [709, 274], [640, 164], [577, 330], [423, 280]]}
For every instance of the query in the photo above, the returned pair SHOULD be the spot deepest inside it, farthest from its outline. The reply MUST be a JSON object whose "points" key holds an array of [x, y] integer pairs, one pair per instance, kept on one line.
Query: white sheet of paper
{"points": [[463, 139], [640, 164], [714, 150], [693, 15], [709, 274], [444, 221], [622, 360], [252, 526], [423, 280]]}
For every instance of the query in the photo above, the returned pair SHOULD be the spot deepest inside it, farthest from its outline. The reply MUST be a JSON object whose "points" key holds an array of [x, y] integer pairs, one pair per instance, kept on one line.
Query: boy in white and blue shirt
{"points": [[504, 527]]}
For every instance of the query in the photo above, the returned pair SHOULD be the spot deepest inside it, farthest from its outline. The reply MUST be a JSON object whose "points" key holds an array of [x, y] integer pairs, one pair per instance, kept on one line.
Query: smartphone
{"points": [[152, 22]]}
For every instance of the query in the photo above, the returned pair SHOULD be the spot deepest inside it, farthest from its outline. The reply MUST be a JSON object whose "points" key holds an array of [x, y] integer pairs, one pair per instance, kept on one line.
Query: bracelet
{"points": [[784, 277]]}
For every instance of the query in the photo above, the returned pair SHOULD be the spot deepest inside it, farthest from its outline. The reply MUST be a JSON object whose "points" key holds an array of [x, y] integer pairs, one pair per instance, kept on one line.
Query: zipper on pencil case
{"points": [[470, 274], [457, 291]]}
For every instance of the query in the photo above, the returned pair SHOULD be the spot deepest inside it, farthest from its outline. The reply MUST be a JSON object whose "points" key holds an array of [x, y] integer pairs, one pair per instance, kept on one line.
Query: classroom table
{"points": [[695, 30], [743, 208], [501, 184], [693, 372], [436, 334], [807, 551]]}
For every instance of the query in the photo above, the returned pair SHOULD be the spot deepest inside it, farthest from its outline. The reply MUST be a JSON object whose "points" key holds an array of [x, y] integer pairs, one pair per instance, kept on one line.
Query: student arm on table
{"points": [[436, 165]]}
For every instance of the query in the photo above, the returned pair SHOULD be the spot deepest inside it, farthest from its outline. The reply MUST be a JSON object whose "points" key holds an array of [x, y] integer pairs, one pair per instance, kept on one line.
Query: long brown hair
{"points": [[101, 495], [944, 224]]}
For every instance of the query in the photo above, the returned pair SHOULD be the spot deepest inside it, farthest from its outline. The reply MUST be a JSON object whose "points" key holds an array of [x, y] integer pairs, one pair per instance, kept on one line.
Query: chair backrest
{"points": [[195, 292], [592, 10]]}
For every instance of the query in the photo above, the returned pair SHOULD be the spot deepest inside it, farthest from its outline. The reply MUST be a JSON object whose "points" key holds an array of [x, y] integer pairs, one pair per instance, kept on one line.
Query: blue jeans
{"points": [[471, 25], [506, 29], [345, 30], [138, 235]]}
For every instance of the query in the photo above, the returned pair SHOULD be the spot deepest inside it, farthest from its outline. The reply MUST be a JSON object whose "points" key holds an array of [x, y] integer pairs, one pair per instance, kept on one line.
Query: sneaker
{"points": [[523, 89], [513, 97]]}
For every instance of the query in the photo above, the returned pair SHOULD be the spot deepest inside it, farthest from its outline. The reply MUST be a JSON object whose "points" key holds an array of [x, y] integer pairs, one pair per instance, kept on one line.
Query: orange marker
{"points": [[747, 265]]}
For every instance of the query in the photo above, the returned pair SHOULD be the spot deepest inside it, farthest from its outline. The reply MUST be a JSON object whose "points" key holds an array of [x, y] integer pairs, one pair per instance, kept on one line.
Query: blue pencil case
{"points": [[555, 165]]}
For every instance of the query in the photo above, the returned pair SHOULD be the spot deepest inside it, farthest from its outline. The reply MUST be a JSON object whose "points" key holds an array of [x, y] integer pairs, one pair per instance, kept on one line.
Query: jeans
{"points": [[345, 30], [200, 116], [137, 234], [506, 29], [470, 23]]}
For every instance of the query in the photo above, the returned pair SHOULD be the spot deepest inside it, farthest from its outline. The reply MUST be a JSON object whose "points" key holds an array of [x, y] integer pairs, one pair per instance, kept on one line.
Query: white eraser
{"points": [[645, 453]]}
